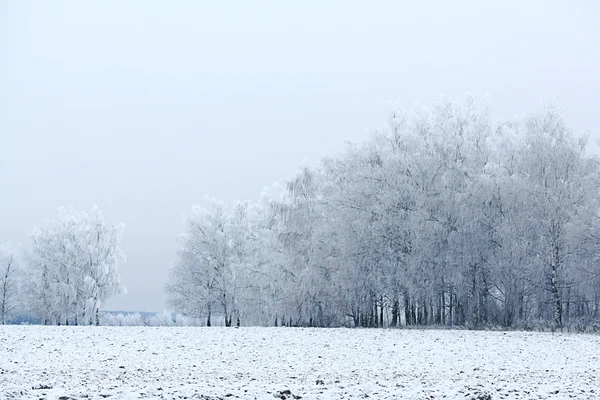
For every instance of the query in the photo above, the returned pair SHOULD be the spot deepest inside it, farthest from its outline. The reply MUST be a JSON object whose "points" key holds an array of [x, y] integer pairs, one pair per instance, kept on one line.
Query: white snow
{"points": [[258, 363]]}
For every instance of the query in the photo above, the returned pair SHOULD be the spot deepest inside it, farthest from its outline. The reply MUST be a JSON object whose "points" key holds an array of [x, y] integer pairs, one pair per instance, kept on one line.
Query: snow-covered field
{"points": [[266, 363]]}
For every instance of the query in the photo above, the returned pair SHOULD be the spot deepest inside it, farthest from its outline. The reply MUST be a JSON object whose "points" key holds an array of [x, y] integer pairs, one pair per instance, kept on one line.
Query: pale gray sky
{"points": [[145, 107]]}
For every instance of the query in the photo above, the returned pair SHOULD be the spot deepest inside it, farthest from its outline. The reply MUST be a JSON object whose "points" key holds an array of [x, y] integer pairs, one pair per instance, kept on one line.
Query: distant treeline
{"points": [[122, 318]]}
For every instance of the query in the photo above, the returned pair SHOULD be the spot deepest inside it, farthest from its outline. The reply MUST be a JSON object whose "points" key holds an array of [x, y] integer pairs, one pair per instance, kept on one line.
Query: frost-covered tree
{"points": [[203, 281], [73, 267], [561, 187], [8, 282]]}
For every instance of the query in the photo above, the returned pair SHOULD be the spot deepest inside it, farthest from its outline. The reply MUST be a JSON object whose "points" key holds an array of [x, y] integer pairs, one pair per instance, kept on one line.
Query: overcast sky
{"points": [[145, 107]]}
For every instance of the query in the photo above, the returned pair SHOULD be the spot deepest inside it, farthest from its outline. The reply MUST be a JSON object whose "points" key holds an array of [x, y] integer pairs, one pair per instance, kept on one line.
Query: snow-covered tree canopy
{"points": [[444, 217], [73, 266]]}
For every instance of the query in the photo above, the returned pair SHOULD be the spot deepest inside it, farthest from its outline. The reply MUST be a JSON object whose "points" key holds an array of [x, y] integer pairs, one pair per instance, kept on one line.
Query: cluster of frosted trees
{"points": [[446, 217], [68, 271]]}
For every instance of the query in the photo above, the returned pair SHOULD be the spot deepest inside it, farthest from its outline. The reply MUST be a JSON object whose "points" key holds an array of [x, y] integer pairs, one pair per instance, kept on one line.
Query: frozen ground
{"points": [[266, 363]]}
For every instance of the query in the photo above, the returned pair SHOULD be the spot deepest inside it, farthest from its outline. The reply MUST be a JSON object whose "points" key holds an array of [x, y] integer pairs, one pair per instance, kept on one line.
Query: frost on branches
{"points": [[446, 217], [73, 268], [8, 282], [224, 264]]}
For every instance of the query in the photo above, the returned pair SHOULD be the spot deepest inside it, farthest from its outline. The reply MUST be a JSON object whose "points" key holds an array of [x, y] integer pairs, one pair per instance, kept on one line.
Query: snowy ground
{"points": [[265, 363]]}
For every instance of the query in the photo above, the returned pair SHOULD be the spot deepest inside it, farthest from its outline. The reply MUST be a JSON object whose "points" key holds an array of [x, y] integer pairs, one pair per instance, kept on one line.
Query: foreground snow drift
{"points": [[267, 363]]}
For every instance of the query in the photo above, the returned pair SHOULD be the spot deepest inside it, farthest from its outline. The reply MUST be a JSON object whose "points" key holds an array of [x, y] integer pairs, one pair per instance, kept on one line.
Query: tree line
{"points": [[446, 217]]}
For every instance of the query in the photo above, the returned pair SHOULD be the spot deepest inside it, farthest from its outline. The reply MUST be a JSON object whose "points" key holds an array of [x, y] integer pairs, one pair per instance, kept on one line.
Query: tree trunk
{"points": [[443, 306], [3, 308], [321, 316], [556, 295], [567, 307], [554, 266], [473, 300], [3, 305], [395, 307], [483, 304], [381, 312], [225, 309], [407, 315], [451, 307], [521, 308], [431, 314]]}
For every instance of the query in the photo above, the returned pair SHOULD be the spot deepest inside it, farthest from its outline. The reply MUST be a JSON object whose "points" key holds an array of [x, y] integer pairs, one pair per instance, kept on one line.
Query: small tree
{"points": [[8, 282]]}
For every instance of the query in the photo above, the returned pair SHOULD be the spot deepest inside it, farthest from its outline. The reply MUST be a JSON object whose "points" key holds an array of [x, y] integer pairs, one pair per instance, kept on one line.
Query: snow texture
{"points": [[265, 363]]}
